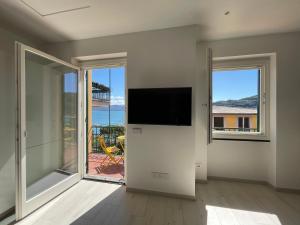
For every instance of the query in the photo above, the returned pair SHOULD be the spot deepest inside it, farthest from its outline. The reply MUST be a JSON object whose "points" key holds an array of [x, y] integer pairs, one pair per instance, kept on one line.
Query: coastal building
{"points": [[234, 119]]}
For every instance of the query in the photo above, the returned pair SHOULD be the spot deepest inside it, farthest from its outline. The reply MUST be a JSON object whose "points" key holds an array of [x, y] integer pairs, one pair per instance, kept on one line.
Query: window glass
{"points": [[218, 122], [236, 96], [246, 122], [240, 122], [51, 123]]}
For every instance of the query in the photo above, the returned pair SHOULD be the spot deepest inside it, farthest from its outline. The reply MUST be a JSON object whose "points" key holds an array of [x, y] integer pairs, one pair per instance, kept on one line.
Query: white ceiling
{"points": [[61, 20], [56, 6]]}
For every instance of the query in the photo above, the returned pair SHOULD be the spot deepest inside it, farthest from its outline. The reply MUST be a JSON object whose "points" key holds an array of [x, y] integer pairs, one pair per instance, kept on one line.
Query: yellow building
{"points": [[234, 119]]}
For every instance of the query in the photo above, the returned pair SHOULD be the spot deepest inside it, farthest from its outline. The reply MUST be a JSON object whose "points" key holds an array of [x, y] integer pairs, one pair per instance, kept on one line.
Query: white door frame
{"points": [[103, 63], [23, 206]]}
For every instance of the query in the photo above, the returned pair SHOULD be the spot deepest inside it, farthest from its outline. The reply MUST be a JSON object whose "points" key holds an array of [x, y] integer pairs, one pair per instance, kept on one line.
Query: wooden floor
{"points": [[218, 203]]}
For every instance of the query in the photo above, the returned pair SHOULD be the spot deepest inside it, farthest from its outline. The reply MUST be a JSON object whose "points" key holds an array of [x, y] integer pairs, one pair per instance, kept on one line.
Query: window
{"points": [[241, 122], [244, 124], [239, 98], [218, 123]]}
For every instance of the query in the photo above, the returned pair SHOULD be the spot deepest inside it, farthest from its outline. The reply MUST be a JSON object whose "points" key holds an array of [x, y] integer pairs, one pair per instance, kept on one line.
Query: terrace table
{"points": [[121, 140]]}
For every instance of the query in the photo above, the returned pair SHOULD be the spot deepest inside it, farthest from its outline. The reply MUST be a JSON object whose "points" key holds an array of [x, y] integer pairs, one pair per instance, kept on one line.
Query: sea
{"points": [[101, 117]]}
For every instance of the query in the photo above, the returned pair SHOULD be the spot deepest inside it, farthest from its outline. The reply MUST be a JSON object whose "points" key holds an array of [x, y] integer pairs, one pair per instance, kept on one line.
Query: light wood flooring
{"points": [[218, 203]]}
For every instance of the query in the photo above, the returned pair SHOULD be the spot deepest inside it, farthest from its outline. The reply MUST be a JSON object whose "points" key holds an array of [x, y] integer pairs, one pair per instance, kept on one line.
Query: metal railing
{"points": [[110, 134], [236, 129], [100, 96]]}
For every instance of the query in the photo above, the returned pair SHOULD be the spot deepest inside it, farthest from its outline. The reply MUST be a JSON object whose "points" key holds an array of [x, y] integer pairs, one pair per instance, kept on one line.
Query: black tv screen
{"points": [[160, 106]]}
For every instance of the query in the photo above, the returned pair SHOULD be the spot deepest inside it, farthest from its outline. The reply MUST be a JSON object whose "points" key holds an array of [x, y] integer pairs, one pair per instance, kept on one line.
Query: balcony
{"points": [[99, 163], [235, 129], [110, 133]]}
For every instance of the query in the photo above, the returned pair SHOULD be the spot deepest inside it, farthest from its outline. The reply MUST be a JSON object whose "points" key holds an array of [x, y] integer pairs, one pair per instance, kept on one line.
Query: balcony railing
{"points": [[110, 134], [235, 129], [100, 96]]}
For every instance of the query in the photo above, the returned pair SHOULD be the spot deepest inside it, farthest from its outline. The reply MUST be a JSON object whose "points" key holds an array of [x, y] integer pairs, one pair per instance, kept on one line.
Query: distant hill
{"points": [[112, 108], [248, 102]]}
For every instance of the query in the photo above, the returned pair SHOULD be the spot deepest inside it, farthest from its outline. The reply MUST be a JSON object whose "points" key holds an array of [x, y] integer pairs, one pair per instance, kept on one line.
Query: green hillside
{"points": [[248, 102]]}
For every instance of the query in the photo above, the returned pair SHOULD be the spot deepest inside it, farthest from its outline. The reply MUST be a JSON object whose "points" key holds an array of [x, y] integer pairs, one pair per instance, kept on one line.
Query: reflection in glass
{"points": [[51, 123]]}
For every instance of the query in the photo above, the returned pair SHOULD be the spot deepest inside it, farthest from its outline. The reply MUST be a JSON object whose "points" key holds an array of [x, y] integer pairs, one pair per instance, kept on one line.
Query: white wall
{"points": [[282, 154], [7, 118], [164, 58], [238, 159], [168, 58]]}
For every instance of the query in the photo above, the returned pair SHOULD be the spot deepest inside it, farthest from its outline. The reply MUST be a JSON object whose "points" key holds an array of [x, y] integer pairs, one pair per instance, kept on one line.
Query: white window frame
{"points": [[249, 62]]}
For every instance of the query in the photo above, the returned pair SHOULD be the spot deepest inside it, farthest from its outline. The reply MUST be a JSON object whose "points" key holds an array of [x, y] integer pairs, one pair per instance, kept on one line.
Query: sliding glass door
{"points": [[49, 124]]}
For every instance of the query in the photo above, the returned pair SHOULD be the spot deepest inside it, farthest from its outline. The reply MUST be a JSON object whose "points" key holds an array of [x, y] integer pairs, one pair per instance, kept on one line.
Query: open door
{"points": [[49, 124], [105, 120], [209, 108]]}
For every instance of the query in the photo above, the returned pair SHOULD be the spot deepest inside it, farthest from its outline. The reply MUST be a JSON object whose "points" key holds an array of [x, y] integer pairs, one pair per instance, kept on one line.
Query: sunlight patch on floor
{"points": [[100, 192], [220, 215]]}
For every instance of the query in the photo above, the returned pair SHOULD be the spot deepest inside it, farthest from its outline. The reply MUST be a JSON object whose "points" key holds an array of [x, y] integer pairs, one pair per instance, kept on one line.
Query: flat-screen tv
{"points": [[160, 106]]}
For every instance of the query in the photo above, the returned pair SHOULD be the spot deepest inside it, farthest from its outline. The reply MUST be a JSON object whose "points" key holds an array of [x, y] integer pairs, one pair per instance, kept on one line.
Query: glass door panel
{"points": [[49, 120], [106, 123]]}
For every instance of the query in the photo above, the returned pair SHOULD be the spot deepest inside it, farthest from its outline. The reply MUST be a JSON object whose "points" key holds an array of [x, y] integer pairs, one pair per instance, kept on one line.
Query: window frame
{"points": [[243, 119], [249, 62]]}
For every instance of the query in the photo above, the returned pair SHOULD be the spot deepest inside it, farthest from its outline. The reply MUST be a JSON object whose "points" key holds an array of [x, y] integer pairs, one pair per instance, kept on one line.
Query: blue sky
{"points": [[227, 84], [234, 84], [117, 82], [70, 82]]}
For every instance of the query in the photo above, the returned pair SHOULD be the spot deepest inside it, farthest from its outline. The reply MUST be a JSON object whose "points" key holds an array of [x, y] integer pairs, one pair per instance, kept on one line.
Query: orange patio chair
{"points": [[109, 152]]}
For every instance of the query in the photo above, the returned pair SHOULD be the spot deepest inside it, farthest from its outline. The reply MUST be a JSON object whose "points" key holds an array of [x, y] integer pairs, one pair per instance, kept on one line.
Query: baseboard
{"points": [[279, 189], [237, 180], [144, 191], [287, 190], [7, 213], [200, 181]]}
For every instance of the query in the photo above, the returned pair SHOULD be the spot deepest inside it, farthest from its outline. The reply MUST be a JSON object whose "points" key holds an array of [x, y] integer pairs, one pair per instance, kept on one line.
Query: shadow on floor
{"points": [[125, 208], [216, 203]]}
